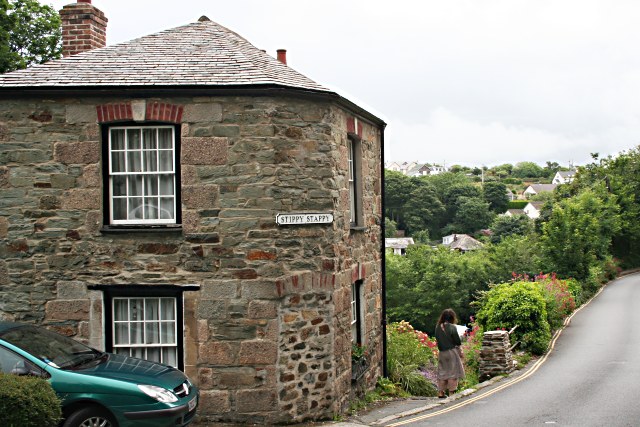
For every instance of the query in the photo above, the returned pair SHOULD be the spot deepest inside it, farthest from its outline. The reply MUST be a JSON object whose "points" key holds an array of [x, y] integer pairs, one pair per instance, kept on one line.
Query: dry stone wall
{"points": [[267, 335], [495, 354]]}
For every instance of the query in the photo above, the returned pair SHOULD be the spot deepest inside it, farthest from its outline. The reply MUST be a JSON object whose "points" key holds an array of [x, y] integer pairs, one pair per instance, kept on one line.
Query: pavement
{"points": [[385, 412]]}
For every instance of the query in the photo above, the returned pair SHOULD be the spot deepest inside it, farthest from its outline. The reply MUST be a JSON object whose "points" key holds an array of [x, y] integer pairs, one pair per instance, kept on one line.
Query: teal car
{"points": [[98, 389]]}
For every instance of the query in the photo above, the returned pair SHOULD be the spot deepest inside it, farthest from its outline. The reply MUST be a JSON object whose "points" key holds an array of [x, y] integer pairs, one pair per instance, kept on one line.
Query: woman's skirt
{"points": [[450, 365]]}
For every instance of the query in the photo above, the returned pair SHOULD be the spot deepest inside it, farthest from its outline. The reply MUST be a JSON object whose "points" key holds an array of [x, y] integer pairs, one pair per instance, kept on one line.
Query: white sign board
{"points": [[304, 218]]}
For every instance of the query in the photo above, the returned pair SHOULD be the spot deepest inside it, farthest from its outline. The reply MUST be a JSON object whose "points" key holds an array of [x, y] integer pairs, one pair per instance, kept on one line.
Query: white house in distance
{"points": [[398, 245], [564, 177], [415, 168], [532, 210], [514, 212], [534, 189], [461, 242]]}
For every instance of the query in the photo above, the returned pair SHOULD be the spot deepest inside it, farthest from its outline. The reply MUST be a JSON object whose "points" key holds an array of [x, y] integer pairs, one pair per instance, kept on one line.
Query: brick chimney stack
{"points": [[84, 27], [282, 56]]}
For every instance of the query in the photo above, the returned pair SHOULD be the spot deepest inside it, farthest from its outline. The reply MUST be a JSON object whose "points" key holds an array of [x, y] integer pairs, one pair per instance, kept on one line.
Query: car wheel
{"points": [[92, 416]]}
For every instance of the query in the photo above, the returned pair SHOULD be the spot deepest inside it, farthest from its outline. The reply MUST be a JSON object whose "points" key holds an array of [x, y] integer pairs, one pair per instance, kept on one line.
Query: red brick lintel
{"points": [[305, 282], [354, 126], [358, 272], [154, 111]]}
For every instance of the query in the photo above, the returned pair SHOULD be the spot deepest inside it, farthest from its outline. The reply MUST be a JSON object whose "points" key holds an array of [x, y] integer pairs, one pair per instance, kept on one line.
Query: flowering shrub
{"points": [[408, 353], [519, 304], [471, 346], [560, 301]]}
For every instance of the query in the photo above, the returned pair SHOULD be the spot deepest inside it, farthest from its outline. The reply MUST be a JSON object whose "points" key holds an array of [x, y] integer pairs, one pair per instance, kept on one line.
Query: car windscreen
{"points": [[52, 348]]}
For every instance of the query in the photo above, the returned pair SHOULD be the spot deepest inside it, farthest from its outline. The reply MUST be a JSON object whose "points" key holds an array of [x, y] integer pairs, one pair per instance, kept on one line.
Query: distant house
{"points": [[564, 177], [461, 242], [398, 245], [514, 212], [437, 169], [534, 189], [532, 210], [393, 166], [415, 168], [404, 167]]}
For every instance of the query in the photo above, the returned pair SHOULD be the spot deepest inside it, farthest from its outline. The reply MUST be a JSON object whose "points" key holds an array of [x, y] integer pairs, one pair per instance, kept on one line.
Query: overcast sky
{"points": [[472, 82]]}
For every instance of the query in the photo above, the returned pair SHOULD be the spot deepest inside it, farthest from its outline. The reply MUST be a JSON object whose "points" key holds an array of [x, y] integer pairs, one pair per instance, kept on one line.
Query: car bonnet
{"points": [[124, 368]]}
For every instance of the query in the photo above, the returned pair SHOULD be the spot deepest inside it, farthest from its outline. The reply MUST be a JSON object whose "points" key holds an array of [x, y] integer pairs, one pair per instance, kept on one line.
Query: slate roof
{"points": [[398, 242], [536, 205], [203, 53], [464, 242], [538, 188], [513, 212]]}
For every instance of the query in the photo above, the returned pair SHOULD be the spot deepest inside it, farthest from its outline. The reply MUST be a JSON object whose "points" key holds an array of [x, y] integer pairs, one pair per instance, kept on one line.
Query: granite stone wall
{"points": [[267, 335]]}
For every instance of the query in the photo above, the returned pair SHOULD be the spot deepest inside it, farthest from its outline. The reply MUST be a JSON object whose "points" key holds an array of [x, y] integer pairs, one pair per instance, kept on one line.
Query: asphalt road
{"points": [[590, 378]]}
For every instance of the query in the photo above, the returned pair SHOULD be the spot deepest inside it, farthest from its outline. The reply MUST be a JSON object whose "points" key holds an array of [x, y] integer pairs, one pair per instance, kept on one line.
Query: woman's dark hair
{"points": [[447, 316]]}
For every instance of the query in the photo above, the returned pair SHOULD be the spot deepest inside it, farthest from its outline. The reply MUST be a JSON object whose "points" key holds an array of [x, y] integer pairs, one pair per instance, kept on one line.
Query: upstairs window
{"points": [[142, 171], [352, 181], [355, 202]]}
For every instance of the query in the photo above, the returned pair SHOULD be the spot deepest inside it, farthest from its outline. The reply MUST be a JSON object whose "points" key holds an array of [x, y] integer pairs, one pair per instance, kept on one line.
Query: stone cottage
{"points": [[184, 197]]}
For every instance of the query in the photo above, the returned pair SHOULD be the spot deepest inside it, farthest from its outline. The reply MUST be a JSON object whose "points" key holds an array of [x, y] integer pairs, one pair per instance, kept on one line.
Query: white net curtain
{"points": [[146, 328], [142, 174]]}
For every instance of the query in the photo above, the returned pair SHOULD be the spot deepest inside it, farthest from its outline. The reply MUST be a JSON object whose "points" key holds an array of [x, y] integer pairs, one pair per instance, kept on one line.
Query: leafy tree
{"points": [[514, 254], [424, 210], [7, 57], [454, 192], [459, 169], [504, 226], [579, 233], [550, 169], [30, 34], [390, 228], [451, 195], [495, 193], [426, 281], [444, 181], [620, 177], [399, 280], [503, 170], [472, 215], [527, 170], [421, 237], [397, 192]]}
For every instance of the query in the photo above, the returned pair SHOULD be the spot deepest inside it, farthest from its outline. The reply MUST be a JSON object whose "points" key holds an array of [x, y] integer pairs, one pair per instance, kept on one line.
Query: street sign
{"points": [[304, 218]]}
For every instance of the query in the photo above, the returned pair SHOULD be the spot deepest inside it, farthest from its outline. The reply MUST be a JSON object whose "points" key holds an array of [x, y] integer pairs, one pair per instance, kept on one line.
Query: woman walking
{"points": [[450, 367]]}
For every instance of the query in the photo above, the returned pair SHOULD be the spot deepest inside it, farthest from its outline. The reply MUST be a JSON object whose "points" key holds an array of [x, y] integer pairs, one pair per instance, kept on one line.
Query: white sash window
{"points": [[146, 328], [142, 175]]}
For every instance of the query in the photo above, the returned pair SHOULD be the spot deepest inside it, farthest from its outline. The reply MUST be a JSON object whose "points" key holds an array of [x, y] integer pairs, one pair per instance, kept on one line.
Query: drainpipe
{"points": [[385, 372]]}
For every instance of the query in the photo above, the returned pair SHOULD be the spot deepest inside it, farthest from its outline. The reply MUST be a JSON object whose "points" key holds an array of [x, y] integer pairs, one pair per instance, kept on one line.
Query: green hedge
{"points": [[517, 204], [27, 401]]}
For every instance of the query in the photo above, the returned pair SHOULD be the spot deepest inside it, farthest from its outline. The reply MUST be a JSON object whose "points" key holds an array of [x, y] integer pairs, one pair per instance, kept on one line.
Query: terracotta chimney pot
{"points": [[282, 56]]}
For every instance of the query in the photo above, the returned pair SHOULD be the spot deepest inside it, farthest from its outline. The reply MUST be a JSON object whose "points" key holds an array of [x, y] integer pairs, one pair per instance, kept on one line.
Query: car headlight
{"points": [[160, 394]]}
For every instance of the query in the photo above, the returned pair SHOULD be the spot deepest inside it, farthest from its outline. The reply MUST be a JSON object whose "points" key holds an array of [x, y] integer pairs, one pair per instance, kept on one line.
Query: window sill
{"points": [[355, 228], [124, 229]]}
